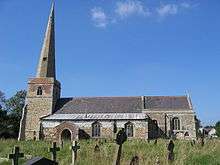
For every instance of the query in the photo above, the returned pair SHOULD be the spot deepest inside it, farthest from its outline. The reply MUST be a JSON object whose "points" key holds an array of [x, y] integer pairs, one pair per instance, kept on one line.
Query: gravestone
{"points": [[120, 139], [53, 151], [97, 152], [134, 160], [193, 142], [155, 141], [170, 149], [16, 155], [40, 161], [96, 149], [75, 148], [202, 141]]}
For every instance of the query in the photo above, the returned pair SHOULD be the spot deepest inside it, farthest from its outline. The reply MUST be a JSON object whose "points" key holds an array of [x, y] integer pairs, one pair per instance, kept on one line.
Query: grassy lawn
{"points": [[185, 154]]}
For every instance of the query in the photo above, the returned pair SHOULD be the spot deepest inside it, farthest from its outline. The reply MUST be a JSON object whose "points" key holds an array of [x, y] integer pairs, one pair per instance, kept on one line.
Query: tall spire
{"points": [[46, 66]]}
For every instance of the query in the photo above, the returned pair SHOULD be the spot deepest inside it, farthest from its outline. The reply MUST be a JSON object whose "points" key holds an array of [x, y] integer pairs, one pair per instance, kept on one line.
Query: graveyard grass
{"points": [[185, 154]]}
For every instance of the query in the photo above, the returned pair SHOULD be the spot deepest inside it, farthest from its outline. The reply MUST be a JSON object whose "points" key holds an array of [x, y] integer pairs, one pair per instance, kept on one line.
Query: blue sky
{"points": [[118, 48]]}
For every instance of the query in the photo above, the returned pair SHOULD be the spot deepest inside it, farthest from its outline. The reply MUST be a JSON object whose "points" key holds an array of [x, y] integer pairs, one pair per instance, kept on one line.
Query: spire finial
{"points": [[46, 66], [52, 6]]}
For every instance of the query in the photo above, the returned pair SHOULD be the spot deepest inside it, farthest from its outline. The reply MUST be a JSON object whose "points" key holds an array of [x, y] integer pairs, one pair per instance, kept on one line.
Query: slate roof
{"points": [[99, 105], [167, 102], [80, 105]]}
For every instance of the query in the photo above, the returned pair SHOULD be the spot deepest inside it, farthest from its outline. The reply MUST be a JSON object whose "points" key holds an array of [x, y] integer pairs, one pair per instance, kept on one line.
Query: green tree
{"points": [[217, 128], [2, 100], [3, 116], [14, 107], [16, 103]]}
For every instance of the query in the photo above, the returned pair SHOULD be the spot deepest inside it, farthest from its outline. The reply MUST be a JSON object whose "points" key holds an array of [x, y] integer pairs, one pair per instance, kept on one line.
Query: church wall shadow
{"points": [[154, 131], [83, 134]]}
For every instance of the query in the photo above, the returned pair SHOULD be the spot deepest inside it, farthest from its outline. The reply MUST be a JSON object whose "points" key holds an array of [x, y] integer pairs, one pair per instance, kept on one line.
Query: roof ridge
{"points": [[100, 97], [123, 96]]}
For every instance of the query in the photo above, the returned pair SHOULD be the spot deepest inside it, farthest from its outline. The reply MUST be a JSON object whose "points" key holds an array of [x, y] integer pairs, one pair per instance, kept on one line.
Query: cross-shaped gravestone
{"points": [[54, 150], [120, 139], [16, 155], [75, 148]]}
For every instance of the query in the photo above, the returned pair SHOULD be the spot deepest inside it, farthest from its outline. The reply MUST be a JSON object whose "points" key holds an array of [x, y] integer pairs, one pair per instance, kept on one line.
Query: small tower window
{"points": [[45, 58], [39, 91]]}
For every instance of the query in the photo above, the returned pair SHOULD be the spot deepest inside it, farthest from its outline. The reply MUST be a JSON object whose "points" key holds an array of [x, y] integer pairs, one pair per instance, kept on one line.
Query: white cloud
{"points": [[99, 17], [185, 5], [168, 9], [172, 9], [126, 8], [130, 7]]}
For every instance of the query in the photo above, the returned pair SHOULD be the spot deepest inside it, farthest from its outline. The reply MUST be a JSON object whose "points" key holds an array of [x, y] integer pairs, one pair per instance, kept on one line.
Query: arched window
{"points": [[176, 123], [96, 129], [39, 91], [129, 129]]}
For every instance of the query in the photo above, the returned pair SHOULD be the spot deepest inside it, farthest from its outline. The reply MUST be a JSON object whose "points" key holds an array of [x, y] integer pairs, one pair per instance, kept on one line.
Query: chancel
{"points": [[47, 116]]}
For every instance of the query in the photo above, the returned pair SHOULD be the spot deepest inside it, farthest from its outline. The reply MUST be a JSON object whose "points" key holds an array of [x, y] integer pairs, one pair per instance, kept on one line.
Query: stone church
{"points": [[48, 116]]}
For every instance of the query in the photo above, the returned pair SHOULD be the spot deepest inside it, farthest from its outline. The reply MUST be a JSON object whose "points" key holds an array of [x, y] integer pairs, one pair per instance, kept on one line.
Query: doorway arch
{"points": [[66, 135]]}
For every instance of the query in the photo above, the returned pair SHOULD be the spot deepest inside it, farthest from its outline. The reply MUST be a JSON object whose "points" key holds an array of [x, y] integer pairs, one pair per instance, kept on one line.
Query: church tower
{"points": [[43, 90]]}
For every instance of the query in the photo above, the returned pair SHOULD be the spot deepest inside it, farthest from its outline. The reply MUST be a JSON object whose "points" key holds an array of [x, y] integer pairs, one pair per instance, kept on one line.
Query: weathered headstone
{"points": [[202, 138], [75, 148], [97, 152], [193, 142], [96, 149], [155, 141], [202, 141], [16, 155], [134, 160], [53, 151], [120, 139], [170, 151]]}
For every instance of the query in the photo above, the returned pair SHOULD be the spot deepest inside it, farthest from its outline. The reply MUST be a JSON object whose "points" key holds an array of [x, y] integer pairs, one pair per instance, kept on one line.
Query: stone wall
{"points": [[38, 106], [164, 118], [140, 129]]}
